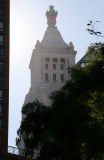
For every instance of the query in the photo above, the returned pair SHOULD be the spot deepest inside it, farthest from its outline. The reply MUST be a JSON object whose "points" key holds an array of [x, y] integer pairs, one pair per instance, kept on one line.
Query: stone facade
{"points": [[49, 65]]}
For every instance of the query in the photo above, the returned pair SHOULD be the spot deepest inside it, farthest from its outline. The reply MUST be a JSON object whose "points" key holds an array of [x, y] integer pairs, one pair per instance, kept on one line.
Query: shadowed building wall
{"points": [[4, 76]]}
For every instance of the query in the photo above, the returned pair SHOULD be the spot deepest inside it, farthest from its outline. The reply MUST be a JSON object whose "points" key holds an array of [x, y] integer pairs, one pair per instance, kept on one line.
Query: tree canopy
{"points": [[73, 126]]}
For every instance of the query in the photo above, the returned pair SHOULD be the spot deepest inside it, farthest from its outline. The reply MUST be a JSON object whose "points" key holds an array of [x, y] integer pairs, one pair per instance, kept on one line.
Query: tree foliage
{"points": [[73, 126]]}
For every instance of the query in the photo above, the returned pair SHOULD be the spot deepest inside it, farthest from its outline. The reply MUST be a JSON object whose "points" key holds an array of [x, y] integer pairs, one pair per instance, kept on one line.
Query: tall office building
{"points": [[4, 76]]}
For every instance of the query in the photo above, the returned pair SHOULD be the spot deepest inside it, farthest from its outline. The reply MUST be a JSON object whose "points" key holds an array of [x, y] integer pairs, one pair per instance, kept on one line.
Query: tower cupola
{"points": [[51, 16]]}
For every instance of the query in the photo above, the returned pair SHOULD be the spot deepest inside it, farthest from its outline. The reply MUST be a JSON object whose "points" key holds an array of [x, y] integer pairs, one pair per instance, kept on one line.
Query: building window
{"points": [[1, 39], [1, 95], [46, 66], [1, 67], [62, 66], [1, 26], [1, 52], [1, 12], [0, 124], [1, 2], [62, 63], [0, 139], [62, 77], [1, 80], [62, 60], [1, 109], [0, 158], [54, 59], [54, 77], [46, 77], [54, 66], [47, 59]]}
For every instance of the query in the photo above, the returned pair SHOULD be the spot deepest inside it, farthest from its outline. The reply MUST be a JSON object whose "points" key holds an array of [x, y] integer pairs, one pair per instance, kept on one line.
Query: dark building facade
{"points": [[4, 76], [6, 153]]}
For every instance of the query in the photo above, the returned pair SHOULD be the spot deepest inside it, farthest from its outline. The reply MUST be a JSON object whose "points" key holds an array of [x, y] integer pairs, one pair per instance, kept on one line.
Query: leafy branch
{"points": [[91, 29]]}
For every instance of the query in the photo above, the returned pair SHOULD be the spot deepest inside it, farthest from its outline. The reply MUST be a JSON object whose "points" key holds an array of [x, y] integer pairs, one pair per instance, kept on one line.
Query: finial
{"points": [[51, 16]]}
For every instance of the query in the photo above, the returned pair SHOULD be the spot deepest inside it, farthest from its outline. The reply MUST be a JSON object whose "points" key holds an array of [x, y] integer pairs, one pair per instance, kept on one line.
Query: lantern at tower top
{"points": [[51, 16]]}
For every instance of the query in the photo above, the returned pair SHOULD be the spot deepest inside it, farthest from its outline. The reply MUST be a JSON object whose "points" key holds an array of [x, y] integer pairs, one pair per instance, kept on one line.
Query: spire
{"points": [[51, 16]]}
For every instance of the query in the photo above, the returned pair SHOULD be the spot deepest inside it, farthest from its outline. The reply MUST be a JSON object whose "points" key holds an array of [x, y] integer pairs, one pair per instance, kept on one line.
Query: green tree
{"points": [[73, 126], [34, 125]]}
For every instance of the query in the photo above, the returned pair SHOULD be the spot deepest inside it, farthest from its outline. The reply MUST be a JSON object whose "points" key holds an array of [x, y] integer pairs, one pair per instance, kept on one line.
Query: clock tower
{"points": [[49, 63]]}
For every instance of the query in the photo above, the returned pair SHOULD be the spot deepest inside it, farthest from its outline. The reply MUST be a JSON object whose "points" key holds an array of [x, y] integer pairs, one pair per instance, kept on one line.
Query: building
{"points": [[49, 64], [4, 76], [50, 61], [6, 153]]}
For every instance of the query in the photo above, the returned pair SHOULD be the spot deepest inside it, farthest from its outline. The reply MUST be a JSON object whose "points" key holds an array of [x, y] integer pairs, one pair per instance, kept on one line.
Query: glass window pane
{"points": [[1, 26], [1, 80], [1, 52], [47, 59], [1, 39], [1, 94], [54, 59], [62, 77], [54, 66], [1, 67], [62, 60], [0, 124], [54, 77], [46, 66], [1, 2], [1, 12], [61, 66], [0, 158], [0, 139], [1, 109]]}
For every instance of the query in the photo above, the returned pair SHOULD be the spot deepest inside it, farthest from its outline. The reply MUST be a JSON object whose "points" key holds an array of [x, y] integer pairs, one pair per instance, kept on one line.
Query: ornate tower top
{"points": [[51, 16]]}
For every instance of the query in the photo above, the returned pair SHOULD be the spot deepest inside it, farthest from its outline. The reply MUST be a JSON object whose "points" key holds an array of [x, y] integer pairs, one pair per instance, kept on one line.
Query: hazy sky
{"points": [[28, 24]]}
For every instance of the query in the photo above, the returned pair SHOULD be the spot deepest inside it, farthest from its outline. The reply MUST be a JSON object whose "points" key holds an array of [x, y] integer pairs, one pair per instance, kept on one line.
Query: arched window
{"points": [[47, 59], [62, 60], [55, 60]]}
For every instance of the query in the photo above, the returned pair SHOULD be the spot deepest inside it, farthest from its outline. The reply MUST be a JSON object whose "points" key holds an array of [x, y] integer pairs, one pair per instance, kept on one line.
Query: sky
{"points": [[28, 24]]}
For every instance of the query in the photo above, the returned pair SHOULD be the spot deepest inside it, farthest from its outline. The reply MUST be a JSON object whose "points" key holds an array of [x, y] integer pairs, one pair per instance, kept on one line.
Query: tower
{"points": [[50, 61], [49, 65]]}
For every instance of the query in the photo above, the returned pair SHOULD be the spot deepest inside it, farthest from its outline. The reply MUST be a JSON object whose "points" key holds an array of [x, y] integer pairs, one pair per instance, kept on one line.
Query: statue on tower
{"points": [[51, 16]]}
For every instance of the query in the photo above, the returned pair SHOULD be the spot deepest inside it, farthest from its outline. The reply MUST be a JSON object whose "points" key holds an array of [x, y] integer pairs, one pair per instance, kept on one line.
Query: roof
{"points": [[53, 39]]}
